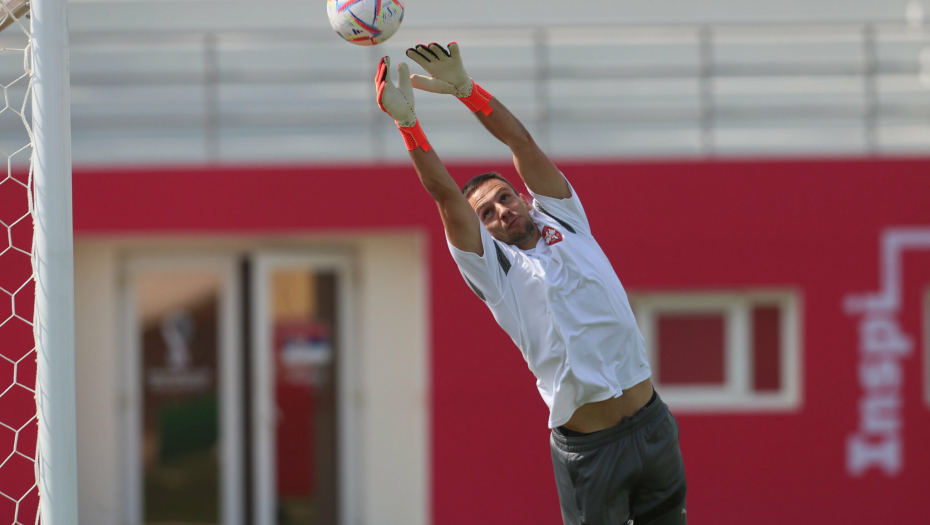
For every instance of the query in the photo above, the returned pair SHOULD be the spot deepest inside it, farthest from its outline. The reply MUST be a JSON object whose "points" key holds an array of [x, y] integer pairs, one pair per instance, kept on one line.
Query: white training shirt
{"points": [[564, 307]]}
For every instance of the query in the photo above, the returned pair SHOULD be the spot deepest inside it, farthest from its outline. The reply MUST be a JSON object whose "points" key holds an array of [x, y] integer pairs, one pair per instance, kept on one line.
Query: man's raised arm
{"points": [[448, 76], [458, 218]]}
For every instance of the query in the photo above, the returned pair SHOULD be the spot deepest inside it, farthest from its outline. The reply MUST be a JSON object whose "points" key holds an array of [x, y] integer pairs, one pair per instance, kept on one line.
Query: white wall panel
{"points": [[99, 367]]}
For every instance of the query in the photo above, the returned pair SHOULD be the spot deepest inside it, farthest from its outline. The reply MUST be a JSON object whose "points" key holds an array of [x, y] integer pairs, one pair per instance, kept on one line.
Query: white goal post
{"points": [[37, 361], [53, 264]]}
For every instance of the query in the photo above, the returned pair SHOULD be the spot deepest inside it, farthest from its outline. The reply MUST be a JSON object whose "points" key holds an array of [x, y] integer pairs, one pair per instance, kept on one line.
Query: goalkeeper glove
{"points": [[397, 101], [448, 76]]}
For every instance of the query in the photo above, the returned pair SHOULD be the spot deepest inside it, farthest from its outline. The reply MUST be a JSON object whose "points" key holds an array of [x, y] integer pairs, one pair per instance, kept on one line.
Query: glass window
{"points": [[178, 317], [721, 350], [766, 348], [305, 347], [690, 349]]}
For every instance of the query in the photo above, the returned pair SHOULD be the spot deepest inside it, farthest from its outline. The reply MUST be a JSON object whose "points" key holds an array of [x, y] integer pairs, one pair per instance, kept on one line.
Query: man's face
{"points": [[503, 213]]}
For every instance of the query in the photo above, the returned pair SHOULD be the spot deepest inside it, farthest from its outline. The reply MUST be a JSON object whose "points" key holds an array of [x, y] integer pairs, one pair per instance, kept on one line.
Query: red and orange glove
{"points": [[397, 101], [448, 76]]}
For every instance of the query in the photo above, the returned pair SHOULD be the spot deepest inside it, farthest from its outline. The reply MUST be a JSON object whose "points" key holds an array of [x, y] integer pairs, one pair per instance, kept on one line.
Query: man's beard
{"points": [[518, 238]]}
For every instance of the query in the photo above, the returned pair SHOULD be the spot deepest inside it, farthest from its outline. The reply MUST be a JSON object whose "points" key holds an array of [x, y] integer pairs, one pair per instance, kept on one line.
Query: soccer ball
{"points": [[365, 22]]}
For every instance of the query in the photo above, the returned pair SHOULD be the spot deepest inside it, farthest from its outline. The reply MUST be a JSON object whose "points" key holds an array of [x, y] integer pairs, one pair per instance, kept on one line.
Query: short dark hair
{"points": [[478, 180]]}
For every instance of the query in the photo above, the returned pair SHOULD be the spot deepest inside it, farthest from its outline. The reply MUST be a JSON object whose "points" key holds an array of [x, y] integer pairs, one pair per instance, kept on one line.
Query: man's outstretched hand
{"points": [[447, 73], [396, 101], [448, 76]]}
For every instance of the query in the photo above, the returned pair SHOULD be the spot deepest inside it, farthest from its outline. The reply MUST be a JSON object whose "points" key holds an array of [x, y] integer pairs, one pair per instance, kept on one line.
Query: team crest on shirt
{"points": [[551, 235]]}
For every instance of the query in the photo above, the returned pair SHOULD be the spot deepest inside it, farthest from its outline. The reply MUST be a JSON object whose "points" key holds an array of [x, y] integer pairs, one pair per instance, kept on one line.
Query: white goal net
{"points": [[19, 490]]}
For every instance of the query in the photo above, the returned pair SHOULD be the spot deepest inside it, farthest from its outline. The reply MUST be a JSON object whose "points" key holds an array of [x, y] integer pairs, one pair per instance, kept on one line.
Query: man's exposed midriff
{"points": [[592, 417]]}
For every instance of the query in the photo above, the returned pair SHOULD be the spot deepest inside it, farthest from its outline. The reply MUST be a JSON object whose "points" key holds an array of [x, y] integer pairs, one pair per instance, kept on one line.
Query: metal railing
{"points": [[597, 91]]}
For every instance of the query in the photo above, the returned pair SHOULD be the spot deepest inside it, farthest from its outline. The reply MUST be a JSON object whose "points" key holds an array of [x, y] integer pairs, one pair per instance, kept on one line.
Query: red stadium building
{"points": [[270, 329], [297, 344]]}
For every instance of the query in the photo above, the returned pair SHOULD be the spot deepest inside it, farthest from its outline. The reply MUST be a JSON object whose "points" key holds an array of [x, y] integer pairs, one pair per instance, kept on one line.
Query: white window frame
{"points": [[229, 387], [264, 415], [736, 393]]}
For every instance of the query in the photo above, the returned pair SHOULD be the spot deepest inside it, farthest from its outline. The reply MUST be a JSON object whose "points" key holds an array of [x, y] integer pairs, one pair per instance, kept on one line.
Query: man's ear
{"points": [[522, 196]]}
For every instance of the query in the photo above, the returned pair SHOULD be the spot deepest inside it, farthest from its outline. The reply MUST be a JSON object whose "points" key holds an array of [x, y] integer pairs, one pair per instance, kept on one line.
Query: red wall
{"points": [[18, 427], [814, 226]]}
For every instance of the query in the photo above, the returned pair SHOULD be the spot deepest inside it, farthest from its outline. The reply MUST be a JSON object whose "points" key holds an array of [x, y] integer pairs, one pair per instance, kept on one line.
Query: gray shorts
{"points": [[633, 471]]}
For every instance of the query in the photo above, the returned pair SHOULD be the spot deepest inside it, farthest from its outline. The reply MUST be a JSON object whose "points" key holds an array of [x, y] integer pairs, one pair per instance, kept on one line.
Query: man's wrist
{"points": [[478, 100], [413, 136]]}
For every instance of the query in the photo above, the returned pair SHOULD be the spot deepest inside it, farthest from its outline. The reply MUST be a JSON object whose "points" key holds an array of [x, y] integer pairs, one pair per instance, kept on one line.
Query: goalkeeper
{"points": [[614, 443]]}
